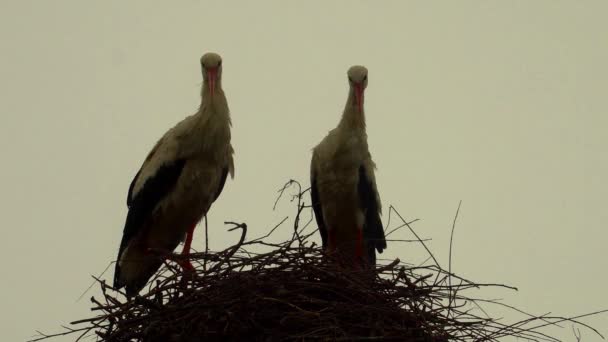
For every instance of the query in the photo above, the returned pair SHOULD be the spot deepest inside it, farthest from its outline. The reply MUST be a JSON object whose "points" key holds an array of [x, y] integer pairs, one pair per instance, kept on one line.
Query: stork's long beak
{"points": [[212, 77], [359, 96]]}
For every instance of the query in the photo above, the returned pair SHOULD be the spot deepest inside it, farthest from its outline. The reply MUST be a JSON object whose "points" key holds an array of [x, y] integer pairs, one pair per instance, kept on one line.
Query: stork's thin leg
{"points": [[188, 243], [185, 264]]}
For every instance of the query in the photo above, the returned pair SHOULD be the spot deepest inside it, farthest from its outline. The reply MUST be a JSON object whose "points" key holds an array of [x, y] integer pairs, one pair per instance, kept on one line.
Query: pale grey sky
{"points": [[499, 104]]}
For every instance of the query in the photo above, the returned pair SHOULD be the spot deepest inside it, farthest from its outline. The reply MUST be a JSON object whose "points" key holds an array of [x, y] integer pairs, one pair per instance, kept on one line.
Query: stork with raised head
{"points": [[179, 180], [344, 195]]}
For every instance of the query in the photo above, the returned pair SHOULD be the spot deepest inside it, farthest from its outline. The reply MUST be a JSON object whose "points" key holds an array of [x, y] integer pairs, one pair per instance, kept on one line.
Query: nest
{"points": [[292, 291]]}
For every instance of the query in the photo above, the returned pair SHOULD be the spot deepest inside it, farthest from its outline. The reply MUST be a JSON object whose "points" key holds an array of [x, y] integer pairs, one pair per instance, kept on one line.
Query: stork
{"points": [[178, 181], [344, 195]]}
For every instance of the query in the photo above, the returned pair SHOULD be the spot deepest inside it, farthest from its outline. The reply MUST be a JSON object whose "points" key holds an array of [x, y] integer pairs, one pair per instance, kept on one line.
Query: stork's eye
{"points": [[219, 64], [364, 78], [350, 80]]}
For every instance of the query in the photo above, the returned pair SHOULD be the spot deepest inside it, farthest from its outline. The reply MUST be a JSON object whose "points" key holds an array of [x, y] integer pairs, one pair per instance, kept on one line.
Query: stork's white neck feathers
{"points": [[207, 132], [216, 104], [352, 117]]}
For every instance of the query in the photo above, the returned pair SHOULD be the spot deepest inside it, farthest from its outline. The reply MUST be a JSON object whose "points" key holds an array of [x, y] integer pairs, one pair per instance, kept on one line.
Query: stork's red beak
{"points": [[359, 96], [212, 77]]}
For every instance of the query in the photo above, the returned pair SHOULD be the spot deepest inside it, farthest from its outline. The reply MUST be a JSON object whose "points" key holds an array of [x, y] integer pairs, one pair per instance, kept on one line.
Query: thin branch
{"points": [[450, 253]]}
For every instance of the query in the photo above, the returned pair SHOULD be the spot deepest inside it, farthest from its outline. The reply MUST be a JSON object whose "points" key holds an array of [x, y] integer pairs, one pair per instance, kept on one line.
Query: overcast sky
{"points": [[502, 105]]}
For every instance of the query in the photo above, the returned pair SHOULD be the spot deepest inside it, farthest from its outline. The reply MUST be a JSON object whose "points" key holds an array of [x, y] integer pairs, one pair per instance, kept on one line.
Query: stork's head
{"points": [[357, 78], [211, 65]]}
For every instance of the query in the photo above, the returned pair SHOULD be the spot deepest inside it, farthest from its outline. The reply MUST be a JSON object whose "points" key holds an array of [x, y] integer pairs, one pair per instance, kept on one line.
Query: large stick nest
{"points": [[262, 291]]}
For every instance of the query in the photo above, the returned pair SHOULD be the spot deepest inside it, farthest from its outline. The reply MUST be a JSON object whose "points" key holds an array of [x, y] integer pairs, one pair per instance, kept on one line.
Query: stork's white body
{"points": [[344, 192], [202, 138], [175, 187], [336, 161]]}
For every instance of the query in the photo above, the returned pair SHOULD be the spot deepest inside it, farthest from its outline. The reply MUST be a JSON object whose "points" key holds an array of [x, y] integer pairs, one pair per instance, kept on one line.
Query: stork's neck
{"points": [[211, 124], [218, 93], [217, 103], [353, 116]]}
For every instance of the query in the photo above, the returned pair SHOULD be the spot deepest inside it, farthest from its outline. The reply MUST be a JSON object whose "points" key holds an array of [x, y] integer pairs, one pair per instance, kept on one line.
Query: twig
{"points": [[450, 254]]}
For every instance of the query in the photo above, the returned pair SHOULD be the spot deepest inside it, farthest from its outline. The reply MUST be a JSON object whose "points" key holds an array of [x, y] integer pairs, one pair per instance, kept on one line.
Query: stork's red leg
{"points": [[185, 264], [188, 243]]}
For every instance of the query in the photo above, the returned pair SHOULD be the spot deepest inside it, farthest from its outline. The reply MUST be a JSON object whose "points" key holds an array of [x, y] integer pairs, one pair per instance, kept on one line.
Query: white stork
{"points": [[179, 180], [345, 199]]}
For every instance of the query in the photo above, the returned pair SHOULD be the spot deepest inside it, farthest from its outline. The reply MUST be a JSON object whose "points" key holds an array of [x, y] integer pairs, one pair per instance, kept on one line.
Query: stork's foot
{"points": [[186, 265]]}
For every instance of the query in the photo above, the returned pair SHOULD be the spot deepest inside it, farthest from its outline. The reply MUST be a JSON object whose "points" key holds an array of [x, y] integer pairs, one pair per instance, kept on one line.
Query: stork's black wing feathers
{"points": [[145, 201], [222, 183], [316, 206], [148, 157], [130, 193], [373, 233]]}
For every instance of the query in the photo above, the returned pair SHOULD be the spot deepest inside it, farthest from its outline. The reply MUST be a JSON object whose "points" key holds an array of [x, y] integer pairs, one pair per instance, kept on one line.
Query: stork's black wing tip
{"points": [[116, 284], [131, 291], [318, 210]]}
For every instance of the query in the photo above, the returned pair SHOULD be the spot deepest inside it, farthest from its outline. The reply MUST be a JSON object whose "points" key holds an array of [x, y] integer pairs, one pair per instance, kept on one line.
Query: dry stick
{"points": [[416, 235], [206, 244], [292, 305], [388, 220], [310, 219], [573, 319], [300, 207], [403, 225], [497, 302], [269, 233], [95, 282], [577, 334], [281, 191], [450, 255], [403, 240]]}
